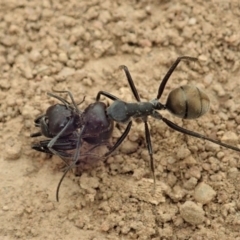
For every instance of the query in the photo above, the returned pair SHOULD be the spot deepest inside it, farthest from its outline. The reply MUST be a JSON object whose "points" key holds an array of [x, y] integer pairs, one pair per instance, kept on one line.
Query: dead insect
{"points": [[66, 127]]}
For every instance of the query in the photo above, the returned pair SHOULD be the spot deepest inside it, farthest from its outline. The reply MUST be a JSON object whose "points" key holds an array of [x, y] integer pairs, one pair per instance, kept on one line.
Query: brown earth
{"points": [[78, 46]]}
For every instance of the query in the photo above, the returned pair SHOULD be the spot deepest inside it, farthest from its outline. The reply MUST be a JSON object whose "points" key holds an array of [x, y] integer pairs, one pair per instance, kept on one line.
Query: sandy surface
{"points": [[78, 46]]}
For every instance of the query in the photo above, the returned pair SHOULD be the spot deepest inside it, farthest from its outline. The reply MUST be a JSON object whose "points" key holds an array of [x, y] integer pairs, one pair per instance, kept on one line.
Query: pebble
{"points": [[219, 89], [88, 182], [204, 193], [190, 183], [62, 57], [13, 149], [230, 137], [129, 147], [192, 21], [233, 173], [208, 79], [192, 213], [65, 72], [35, 56], [183, 152], [5, 208], [194, 172]]}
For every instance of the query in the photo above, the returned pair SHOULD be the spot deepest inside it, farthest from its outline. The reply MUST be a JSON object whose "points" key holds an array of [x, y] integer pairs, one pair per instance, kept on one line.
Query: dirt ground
{"points": [[78, 46]]}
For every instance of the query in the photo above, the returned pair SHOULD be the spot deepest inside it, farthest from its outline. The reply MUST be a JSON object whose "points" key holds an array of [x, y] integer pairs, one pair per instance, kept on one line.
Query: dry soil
{"points": [[77, 46]]}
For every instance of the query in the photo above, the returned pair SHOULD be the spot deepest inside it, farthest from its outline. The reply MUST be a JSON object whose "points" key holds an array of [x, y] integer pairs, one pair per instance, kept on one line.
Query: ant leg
{"points": [[120, 140], [37, 120], [37, 134], [77, 153], [71, 97], [170, 71], [75, 159], [53, 141], [42, 147], [106, 94], [174, 126], [149, 146], [64, 101], [130, 82], [63, 176], [197, 135]]}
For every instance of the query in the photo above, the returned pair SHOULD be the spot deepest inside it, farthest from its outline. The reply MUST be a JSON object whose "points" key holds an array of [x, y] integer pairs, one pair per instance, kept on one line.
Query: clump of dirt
{"points": [[78, 46]]}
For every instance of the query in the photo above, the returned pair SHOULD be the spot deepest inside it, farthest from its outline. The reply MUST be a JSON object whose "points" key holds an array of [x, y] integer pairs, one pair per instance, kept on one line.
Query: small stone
{"points": [[183, 152], [171, 179], [204, 193], [105, 226], [65, 72], [32, 14], [233, 173], [5, 208], [208, 79], [192, 213], [203, 58], [35, 56], [219, 89], [13, 149], [230, 137], [190, 183], [194, 172], [192, 21], [62, 57], [5, 84], [88, 182], [87, 82], [26, 71], [129, 147]]}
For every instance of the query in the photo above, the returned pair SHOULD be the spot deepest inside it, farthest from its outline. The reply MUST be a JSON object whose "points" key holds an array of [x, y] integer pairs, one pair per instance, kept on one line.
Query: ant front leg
{"points": [[106, 94]]}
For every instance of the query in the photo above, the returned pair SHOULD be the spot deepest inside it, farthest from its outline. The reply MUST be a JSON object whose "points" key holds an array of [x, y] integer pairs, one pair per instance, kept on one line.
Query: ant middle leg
{"points": [[130, 82]]}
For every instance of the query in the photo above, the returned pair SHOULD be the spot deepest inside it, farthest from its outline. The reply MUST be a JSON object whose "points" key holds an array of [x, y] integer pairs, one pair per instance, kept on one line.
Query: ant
{"points": [[186, 102]]}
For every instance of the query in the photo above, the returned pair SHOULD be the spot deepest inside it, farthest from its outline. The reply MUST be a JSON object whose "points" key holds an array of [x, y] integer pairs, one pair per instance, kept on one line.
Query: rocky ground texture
{"points": [[78, 46]]}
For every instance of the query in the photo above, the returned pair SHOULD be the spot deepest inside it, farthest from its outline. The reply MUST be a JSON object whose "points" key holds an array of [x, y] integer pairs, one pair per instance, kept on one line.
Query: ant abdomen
{"points": [[187, 102]]}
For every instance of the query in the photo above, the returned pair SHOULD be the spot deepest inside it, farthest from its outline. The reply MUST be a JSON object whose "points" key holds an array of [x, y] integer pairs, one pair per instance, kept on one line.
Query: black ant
{"points": [[186, 102]]}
